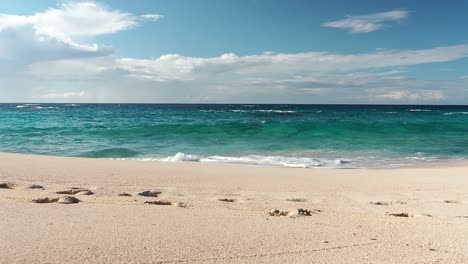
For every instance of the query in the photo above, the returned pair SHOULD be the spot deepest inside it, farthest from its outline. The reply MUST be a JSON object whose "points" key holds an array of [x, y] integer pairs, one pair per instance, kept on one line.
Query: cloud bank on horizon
{"points": [[51, 56]]}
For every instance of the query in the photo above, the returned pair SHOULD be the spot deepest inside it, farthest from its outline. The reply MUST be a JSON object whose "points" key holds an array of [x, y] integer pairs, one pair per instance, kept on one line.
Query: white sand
{"points": [[351, 219]]}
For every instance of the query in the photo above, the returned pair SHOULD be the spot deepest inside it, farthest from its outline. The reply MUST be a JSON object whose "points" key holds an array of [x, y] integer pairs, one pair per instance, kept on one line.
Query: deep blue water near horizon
{"points": [[341, 136]]}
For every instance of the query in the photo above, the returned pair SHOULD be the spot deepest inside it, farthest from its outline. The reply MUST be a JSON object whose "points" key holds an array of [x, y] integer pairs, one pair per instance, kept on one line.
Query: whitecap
{"points": [[420, 110], [276, 111], [456, 113], [36, 106]]}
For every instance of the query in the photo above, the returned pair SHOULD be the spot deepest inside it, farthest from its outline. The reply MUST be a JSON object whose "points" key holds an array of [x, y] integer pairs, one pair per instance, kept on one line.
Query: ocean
{"points": [[304, 136]]}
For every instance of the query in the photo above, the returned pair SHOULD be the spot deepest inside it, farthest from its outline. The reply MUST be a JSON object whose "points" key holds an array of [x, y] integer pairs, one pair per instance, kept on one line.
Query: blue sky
{"points": [[274, 51]]}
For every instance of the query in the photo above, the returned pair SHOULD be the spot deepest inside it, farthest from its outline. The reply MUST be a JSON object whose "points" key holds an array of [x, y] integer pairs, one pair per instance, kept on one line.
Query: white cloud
{"points": [[57, 33], [48, 57], [64, 95], [180, 79], [22, 45], [264, 78], [152, 17], [73, 19], [411, 95], [177, 67], [368, 23]]}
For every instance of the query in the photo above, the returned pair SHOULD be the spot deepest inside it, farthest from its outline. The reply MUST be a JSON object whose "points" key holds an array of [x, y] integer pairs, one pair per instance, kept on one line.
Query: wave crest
{"points": [[456, 113]]}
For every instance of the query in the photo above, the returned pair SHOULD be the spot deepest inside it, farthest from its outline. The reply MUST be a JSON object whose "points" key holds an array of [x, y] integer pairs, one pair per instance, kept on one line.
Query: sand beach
{"points": [[76, 210]]}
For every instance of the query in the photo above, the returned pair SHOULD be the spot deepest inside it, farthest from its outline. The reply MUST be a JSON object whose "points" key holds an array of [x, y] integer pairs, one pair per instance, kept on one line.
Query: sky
{"points": [[244, 51]]}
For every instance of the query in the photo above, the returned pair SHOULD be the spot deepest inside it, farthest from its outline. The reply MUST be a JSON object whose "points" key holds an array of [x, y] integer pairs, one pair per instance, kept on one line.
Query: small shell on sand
{"points": [[68, 200]]}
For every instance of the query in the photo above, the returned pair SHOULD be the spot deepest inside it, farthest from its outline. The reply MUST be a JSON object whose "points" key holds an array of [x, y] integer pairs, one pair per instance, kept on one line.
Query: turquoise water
{"points": [[343, 136]]}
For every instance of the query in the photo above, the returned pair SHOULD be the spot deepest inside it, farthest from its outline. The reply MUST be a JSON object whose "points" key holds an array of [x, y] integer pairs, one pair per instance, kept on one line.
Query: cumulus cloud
{"points": [[368, 23], [81, 19], [57, 33]]}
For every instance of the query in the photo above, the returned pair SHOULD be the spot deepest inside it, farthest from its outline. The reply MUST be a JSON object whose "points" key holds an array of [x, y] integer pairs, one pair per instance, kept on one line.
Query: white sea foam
{"points": [[181, 157], [36, 106], [420, 110], [357, 161], [276, 111], [211, 111], [250, 111], [456, 113], [263, 111], [279, 161]]}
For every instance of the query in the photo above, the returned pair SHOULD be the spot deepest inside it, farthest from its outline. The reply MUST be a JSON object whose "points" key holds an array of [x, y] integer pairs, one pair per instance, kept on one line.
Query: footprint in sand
{"points": [[7, 185], [413, 215], [293, 213], [35, 186], [227, 200], [164, 202], [78, 191], [388, 203], [296, 200], [62, 200], [150, 193]]}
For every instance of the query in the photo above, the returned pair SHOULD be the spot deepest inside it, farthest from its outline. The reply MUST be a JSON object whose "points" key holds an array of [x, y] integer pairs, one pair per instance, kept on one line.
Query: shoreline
{"points": [[437, 164], [209, 213]]}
